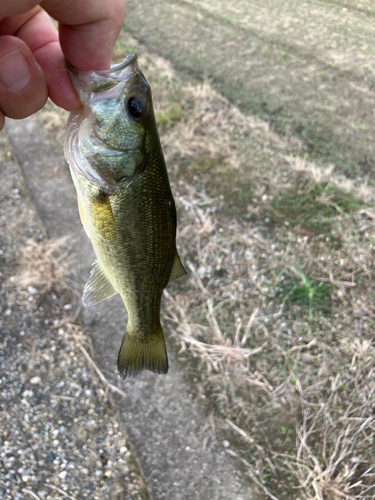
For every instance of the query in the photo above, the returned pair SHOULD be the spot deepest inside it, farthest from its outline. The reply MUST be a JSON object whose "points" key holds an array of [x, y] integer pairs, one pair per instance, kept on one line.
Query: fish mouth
{"points": [[106, 150], [91, 170], [115, 153], [122, 71], [93, 85], [110, 153], [85, 82]]}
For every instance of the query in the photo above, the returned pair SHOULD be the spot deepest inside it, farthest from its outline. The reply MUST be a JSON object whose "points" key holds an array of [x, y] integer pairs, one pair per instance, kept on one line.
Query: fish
{"points": [[125, 204]]}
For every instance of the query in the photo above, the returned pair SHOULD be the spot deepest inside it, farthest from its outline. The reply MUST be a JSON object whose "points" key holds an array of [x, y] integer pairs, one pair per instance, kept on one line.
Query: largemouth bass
{"points": [[125, 204]]}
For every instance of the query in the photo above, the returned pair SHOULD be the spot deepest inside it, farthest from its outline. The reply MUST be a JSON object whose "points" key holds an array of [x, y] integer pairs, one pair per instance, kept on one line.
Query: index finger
{"points": [[88, 30]]}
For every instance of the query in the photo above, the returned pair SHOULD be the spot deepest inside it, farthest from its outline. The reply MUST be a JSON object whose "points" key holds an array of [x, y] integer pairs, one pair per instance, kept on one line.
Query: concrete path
{"points": [[161, 418]]}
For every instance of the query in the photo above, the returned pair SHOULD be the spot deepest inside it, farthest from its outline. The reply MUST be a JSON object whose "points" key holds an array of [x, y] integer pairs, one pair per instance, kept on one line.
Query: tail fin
{"points": [[138, 353]]}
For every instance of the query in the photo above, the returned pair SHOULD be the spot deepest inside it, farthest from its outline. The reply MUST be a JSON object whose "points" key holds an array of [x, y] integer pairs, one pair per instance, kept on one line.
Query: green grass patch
{"points": [[236, 190], [312, 206], [306, 292], [166, 118], [236, 197]]}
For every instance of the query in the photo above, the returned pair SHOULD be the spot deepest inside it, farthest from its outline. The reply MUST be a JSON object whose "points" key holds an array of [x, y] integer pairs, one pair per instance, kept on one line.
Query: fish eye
{"points": [[135, 107]]}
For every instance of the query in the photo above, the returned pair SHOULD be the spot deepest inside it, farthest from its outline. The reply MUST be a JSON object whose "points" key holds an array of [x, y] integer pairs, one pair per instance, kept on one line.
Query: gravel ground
{"points": [[60, 436]]}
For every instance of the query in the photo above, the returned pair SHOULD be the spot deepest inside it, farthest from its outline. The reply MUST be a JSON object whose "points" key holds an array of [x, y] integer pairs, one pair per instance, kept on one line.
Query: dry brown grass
{"points": [[260, 359], [42, 266], [326, 174], [259, 369]]}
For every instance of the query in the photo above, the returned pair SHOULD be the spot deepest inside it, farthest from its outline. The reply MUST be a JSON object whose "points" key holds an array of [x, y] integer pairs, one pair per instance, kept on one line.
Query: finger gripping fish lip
{"points": [[122, 71], [86, 82]]}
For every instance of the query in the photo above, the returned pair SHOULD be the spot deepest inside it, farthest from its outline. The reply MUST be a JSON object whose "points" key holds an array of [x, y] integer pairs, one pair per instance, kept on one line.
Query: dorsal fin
{"points": [[97, 288], [177, 268]]}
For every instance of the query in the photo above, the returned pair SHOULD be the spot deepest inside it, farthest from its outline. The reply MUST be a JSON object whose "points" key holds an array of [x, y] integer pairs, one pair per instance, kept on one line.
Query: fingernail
{"points": [[14, 71]]}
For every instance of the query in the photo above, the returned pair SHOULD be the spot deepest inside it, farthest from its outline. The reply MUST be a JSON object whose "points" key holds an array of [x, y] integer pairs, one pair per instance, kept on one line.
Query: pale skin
{"points": [[33, 53]]}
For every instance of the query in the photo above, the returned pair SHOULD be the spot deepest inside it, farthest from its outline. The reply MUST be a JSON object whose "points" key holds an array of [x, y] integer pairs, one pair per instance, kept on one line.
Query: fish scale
{"points": [[126, 205]]}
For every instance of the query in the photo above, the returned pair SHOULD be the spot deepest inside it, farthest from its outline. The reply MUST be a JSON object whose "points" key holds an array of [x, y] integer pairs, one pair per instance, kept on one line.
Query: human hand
{"points": [[33, 53]]}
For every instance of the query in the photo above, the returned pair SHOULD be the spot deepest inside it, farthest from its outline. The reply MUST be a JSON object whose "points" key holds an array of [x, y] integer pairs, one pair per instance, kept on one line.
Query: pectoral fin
{"points": [[177, 268], [97, 288]]}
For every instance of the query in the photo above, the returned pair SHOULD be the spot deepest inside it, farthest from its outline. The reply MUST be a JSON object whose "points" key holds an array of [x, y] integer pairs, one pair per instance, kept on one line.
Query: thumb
{"points": [[23, 89]]}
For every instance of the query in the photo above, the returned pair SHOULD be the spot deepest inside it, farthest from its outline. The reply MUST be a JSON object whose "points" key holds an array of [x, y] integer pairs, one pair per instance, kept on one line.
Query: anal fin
{"points": [[97, 288], [177, 268]]}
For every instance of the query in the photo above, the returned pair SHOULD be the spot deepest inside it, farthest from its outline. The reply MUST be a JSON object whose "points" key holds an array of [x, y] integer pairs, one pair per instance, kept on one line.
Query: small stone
{"points": [[32, 290], [108, 473], [8, 312], [35, 380], [67, 307], [62, 474], [226, 443], [202, 271], [123, 449], [50, 457], [98, 472]]}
